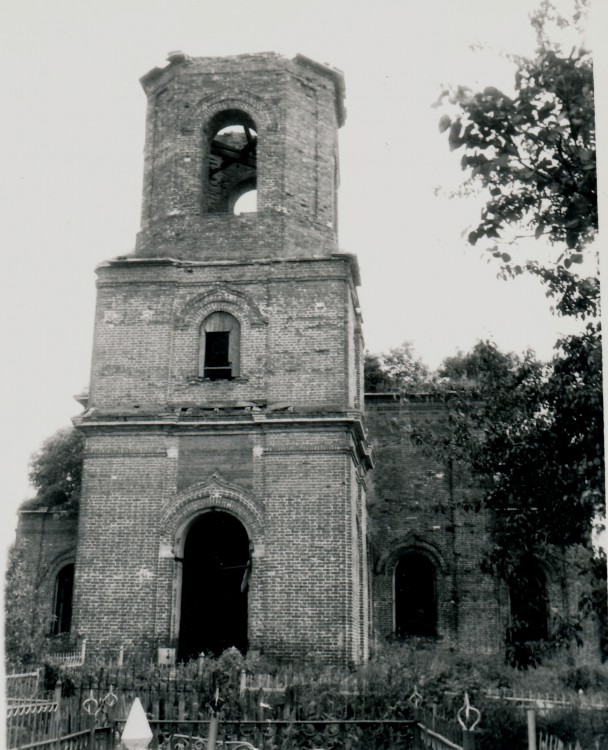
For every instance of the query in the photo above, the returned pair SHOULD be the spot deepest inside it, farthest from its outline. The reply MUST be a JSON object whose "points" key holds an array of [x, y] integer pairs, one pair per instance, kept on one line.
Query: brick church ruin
{"points": [[230, 494]]}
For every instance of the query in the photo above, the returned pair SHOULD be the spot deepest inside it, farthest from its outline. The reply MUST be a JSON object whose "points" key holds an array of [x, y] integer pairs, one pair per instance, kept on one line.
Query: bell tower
{"points": [[224, 479]]}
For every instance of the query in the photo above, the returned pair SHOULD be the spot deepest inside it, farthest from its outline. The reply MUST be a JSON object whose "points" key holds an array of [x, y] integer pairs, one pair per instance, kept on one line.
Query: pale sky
{"points": [[72, 165]]}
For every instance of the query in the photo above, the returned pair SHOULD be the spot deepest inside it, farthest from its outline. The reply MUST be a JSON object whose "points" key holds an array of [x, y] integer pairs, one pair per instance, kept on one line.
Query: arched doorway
{"points": [[215, 576], [415, 596]]}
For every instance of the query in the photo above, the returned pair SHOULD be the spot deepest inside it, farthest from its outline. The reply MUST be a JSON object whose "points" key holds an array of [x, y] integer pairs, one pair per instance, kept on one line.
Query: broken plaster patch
{"points": [[110, 317], [144, 574]]}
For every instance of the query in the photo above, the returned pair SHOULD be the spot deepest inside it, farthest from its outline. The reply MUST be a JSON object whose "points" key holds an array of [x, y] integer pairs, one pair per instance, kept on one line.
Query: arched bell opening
{"points": [[214, 585], [232, 162]]}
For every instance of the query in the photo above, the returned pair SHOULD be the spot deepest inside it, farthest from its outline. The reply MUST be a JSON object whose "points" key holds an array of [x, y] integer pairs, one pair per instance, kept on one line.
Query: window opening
{"points": [[220, 346], [216, 570], [415, 596], [232, 162], [62, 609]]}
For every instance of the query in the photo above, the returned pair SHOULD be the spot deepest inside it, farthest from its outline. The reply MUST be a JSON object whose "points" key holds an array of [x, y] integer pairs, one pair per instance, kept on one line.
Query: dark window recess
{"points": [[217, 364], [220, 347], [415, 597], [64, 587]]}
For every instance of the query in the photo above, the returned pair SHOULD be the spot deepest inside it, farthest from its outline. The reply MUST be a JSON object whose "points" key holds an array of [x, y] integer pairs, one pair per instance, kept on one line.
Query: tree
{"points": [[399, 369], [56, 469], [533, 433], [24, 626], [533, 156]]}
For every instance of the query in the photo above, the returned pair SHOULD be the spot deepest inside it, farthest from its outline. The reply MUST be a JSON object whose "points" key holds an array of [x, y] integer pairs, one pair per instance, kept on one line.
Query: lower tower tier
{"points": [[247, 532]]}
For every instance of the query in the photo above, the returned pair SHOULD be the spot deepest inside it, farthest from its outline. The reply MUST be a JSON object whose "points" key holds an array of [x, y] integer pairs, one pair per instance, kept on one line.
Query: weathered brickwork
{"points": [[296, 108], [295, 318], [277, 440], [48, 540], [280, 445], [419, 506]]}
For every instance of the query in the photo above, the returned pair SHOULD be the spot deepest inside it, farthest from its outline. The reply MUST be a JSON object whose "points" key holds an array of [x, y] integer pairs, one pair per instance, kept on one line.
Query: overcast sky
{"points": [[72, 166]]}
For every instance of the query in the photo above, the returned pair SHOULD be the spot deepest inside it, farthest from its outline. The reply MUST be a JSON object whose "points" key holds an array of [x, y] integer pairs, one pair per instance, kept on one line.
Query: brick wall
{"points": [[294, 489], [418, 505], [48, 539], [296, 108], [297, 323]]}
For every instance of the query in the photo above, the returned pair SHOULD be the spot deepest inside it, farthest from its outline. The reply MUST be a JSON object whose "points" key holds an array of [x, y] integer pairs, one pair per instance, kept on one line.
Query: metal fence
{"points": [[94, 715], [20, 685]]}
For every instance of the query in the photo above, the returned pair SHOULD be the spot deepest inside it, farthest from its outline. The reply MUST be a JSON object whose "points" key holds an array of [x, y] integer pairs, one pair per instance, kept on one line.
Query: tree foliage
{"points": [[399, 369], [56, 469], [533, 154], [24, 625], [533, 433]]}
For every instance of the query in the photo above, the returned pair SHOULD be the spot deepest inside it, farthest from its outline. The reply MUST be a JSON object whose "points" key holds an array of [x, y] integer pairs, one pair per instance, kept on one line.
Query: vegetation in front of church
{"points": [[25, 629], [378, 690]]}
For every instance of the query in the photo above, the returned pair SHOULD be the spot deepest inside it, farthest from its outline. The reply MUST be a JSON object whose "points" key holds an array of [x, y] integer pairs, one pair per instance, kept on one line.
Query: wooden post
{"points": [[213, 727], [57, 720], [214, 721], [468, 740], [417, 737], [91, 732], [531, 729]]}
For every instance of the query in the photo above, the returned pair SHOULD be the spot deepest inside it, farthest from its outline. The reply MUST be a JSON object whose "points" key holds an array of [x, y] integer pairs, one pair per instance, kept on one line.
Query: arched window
{"points": [[220, 347], [528, 599], [62, 606], [232, 163], [415, 596]]}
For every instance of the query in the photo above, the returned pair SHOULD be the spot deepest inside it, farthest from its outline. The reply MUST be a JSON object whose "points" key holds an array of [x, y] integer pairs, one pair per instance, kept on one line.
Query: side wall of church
{"points": [[47, 539], [416, 505]]}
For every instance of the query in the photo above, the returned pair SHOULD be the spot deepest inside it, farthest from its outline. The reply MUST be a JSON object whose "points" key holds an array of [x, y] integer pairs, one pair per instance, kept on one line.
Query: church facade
{"points": [[230, 495]]}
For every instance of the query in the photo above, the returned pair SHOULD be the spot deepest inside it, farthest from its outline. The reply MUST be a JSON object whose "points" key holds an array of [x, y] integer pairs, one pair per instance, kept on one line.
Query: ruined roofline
{"points": [[177, 58], [409, 396]]}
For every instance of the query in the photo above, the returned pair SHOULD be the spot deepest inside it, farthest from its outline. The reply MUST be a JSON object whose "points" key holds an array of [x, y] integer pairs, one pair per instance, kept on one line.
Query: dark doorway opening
{"points": [[415, 596], [216, 570]]}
